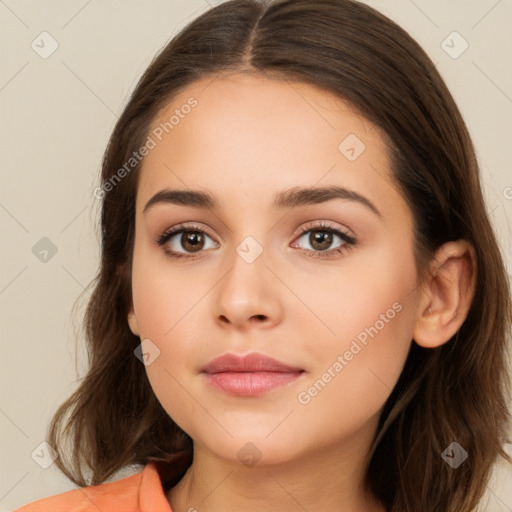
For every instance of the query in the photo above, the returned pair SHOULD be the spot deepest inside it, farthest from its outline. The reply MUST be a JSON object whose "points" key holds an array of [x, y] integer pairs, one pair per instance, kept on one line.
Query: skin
{"points": [[248, 138]]}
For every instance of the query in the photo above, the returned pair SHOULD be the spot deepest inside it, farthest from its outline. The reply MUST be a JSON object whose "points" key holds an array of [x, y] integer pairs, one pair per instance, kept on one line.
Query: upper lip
{"points": [[253, 362]]}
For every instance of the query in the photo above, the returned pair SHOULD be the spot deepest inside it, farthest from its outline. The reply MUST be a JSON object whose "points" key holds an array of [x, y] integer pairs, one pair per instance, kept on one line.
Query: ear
{"points": [[447, 294], [123, 272], [132, 320]]}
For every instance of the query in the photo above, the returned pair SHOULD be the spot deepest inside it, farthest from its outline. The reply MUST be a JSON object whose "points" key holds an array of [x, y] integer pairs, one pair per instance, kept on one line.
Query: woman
{"points": [[338, 342]]}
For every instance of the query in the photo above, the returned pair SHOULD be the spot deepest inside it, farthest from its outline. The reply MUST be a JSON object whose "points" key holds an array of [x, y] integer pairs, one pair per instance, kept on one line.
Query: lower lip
{"points": [[250, 383]]}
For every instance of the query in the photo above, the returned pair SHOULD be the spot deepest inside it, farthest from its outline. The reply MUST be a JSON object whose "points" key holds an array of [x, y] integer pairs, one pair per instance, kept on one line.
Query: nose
{"points": [[248, 296]]}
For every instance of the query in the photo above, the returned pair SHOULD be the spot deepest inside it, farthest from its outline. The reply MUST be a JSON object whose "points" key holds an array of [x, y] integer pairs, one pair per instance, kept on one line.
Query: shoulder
{"points": [[125, 494], [141, 492]]}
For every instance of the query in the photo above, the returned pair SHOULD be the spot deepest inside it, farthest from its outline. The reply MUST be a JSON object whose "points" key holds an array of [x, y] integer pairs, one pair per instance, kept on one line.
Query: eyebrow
{"points": [[289, 198]]}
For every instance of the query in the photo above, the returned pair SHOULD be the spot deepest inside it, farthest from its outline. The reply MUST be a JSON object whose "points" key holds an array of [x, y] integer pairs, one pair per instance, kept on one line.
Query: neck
{"points": [[328, 480]]}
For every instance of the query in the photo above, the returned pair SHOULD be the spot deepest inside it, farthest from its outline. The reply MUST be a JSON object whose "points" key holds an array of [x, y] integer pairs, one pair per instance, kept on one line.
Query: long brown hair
{"points": [[456, 392]]}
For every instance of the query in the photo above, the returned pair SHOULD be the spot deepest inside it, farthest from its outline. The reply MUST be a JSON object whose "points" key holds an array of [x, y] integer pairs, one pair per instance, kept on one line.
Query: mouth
{"points": [[251, 375]]}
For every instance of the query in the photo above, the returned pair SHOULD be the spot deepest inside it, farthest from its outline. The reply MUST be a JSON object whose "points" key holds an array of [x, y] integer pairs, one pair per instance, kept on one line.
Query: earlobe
{"points": [[123, 272], [132, 321], [447, 294]]}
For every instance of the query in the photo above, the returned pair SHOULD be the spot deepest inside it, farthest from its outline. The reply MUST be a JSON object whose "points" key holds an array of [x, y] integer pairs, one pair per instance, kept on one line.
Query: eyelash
{"points": [[349, 241]]}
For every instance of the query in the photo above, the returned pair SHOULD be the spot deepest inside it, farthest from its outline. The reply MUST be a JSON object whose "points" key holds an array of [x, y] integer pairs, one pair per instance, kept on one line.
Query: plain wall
{"points": [[57, 115]]}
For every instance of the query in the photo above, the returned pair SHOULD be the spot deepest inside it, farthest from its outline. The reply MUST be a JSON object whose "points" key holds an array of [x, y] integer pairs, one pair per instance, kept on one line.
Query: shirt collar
{"points": [[158, 477]]}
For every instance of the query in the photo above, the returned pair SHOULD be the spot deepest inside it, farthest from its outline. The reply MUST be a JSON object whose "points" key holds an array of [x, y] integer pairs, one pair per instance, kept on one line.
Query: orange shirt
{"points": [[142, 492]]}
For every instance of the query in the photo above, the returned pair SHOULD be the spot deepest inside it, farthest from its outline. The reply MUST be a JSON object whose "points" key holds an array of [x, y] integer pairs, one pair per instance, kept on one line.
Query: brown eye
{"points": [[192, 241], [320, 239], [183, 242]]}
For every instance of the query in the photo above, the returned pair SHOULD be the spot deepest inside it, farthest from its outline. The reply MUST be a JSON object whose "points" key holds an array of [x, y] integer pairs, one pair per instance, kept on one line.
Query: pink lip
{"points": [[251, 375]]}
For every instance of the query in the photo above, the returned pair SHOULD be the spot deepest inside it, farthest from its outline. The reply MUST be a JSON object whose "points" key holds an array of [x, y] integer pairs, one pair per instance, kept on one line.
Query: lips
{"points": [[250, 375], [253, 362]]}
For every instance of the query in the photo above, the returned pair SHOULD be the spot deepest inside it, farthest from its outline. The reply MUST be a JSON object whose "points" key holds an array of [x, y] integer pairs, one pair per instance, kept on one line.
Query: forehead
{"points": [[248, 135]]}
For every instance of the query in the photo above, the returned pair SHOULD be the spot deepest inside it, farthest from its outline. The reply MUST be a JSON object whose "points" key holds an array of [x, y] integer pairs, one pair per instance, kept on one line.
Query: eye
{"points": [[322, 236], [183, 241], [192, 239]]}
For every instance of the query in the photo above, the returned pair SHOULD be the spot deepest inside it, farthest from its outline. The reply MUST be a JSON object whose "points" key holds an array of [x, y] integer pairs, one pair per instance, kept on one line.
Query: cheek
{"points": [[164, 293], [355, 374], [370, 296], [170, 302], [169, 310], [370, 311]]}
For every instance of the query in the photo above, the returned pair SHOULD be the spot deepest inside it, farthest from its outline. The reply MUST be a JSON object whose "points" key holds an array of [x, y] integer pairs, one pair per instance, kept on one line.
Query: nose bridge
{"points": [[250, 236], [247, 277], [248, 290]]}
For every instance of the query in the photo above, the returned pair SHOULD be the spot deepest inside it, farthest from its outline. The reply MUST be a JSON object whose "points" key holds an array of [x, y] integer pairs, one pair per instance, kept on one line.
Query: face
{"points": [[326, 284]]}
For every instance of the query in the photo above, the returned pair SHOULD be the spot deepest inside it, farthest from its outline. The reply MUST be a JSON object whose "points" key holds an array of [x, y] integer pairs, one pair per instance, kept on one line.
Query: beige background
{"points": [[57, 115]]}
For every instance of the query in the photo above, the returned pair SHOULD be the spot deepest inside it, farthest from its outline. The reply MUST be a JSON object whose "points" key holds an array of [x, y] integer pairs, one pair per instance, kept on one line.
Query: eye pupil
{"points": [[192, 238], [324, 238]]}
